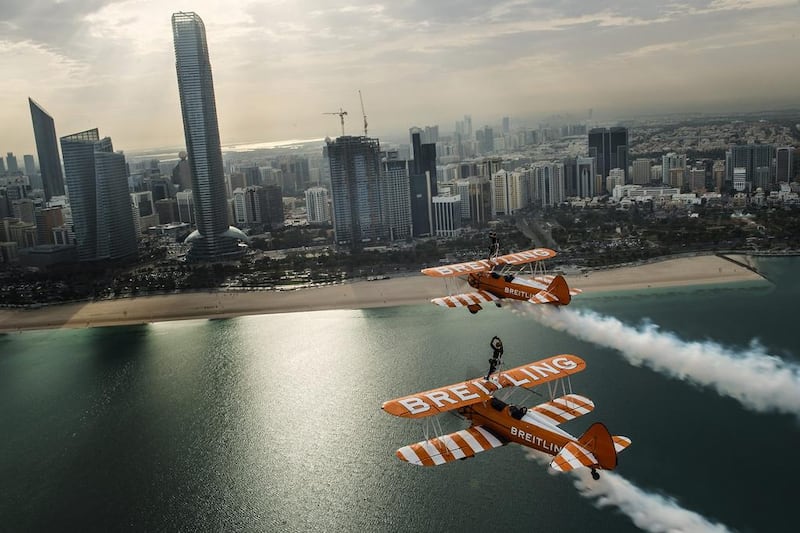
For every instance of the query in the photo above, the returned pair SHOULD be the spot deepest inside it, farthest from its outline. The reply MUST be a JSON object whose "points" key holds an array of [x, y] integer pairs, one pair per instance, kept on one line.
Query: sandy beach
{"points": [[357, 295]]}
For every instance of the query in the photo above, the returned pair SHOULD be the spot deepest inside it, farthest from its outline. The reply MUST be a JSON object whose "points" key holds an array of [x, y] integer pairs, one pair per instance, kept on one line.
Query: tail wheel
{"points": [[595, 474], [474, 308]]}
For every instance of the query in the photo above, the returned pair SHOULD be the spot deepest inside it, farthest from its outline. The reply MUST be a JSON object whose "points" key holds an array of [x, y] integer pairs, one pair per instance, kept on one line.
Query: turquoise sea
{"points": [[273, 422]]}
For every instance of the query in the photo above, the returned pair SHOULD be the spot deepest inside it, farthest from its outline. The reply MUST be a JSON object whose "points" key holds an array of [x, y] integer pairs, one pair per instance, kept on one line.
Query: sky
{"points": [[279, 65]]}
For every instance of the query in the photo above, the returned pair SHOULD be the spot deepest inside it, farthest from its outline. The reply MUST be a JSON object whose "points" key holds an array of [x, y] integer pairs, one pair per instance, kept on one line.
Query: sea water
{"points": [[273, 422]]}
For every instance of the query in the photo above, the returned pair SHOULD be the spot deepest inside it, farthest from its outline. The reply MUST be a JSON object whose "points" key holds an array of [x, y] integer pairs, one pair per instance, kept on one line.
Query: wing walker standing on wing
{"points": [[497, 356]]}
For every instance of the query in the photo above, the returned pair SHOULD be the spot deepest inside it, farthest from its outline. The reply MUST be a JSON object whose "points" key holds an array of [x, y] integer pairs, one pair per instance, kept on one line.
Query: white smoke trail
{"points": [[758, 380], [648, 511]]}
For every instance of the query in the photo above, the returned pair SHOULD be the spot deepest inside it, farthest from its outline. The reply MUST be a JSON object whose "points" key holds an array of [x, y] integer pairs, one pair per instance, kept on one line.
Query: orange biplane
{"points": [[495, 423], [501, 277]]}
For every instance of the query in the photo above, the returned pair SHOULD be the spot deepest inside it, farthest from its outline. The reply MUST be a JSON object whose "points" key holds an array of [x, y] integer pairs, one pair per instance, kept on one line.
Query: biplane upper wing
{"points": [[460, 269], [477, 390], [448, 448]]}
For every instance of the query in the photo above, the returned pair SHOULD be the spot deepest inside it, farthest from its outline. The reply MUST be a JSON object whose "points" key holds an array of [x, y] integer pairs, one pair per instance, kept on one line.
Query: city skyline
{"points": [[281, 65]]}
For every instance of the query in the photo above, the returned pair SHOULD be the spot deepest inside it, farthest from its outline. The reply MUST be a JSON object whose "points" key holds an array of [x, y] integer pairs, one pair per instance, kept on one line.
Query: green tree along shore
{"points": [[585, 238]]}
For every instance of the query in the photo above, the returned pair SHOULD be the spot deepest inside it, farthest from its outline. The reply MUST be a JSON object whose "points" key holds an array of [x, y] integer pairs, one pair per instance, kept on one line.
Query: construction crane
{"points": [[341, 114], [364, 113]]}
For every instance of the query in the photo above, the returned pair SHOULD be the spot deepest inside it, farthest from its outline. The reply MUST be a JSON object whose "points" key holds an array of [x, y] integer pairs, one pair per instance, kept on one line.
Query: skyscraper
{"points": [[357, 193], [11, 163], [98, 194], [397, 198], [756, 159], [784, 164], [609, 147], [44, 132], [317, 205], [422, 184], [30, 166], [213, 238]]}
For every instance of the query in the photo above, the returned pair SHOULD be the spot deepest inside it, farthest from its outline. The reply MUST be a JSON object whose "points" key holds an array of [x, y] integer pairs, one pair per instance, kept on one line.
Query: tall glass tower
{"points": [[213, 239], [97, 179], [44, 131], [358, 216], [609, 147]]}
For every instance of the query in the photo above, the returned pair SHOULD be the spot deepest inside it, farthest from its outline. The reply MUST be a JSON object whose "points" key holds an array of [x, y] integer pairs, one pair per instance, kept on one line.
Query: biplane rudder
{"points": [[559, 288], [597, 439]]}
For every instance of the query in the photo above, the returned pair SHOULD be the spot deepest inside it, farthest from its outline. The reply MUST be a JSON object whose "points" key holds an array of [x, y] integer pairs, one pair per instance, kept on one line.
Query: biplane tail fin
{"points": [[559, 288], [596, 448]]}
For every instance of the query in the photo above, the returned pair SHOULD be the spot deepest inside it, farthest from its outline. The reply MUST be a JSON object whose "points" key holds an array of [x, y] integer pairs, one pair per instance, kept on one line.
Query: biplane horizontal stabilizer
{"points": [[448, 448], [620, 442], [573, 456]]}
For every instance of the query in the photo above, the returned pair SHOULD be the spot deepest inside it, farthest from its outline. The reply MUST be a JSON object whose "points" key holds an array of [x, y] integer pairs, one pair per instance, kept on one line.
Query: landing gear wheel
{"points": [[595, 474]]}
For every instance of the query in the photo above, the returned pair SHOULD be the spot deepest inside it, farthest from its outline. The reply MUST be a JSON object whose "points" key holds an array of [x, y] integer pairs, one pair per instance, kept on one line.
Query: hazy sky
{"points": [[278, 65]]}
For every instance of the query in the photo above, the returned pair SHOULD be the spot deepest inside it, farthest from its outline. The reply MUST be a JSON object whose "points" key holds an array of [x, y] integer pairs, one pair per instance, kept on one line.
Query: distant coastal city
{"points": [[82, 220]]}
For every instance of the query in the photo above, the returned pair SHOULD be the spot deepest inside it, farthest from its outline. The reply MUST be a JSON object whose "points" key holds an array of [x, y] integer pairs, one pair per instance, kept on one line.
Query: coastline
{"points": [[410, 290]]}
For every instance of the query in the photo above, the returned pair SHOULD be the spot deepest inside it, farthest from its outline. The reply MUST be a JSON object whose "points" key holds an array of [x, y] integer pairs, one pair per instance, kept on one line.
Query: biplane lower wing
{"points": [[466, 299], [466, 393], [448, 448], [461, 269]]}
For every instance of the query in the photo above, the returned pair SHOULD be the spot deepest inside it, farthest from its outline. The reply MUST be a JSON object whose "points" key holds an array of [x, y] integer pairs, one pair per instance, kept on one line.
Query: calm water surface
{"points": [[273, 423]]}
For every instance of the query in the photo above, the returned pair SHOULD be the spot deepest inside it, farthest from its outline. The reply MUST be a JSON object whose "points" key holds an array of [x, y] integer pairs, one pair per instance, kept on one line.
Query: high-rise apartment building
{"points": [[358, 216], [446, 215], [423, 184], [11, 163], [641, 171], [186, 210], [511, 191], [214, 238], [397, 197], [756, 160], [272, 210], [670, 162], [44, 132], [548, 183], [317, 205], [97, 180], [784, 164], [609, 147], [586, 175], [30, 166]]}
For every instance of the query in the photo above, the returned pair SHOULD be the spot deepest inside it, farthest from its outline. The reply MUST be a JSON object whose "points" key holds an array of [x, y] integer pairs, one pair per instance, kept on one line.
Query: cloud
{"points": [[419, 61]]}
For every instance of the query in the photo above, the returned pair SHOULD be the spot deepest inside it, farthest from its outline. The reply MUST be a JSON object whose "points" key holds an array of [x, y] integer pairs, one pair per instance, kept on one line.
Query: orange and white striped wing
{"points": [[565, 408], [573, 456], [461, 269], [543, 297], [620, 442], [463, 300], [548, 279], [448, 448], [476, 390]]}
